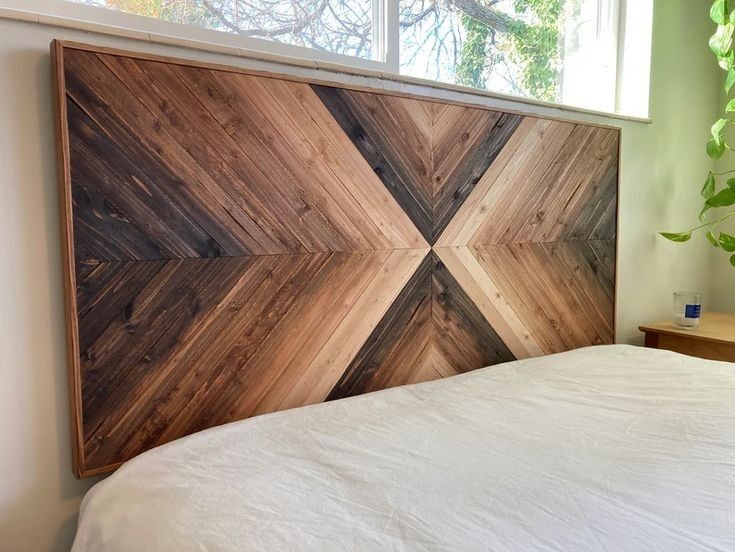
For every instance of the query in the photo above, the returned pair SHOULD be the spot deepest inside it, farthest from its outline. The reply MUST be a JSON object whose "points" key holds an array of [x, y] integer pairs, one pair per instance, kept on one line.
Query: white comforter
{"points": [[602, 449]]}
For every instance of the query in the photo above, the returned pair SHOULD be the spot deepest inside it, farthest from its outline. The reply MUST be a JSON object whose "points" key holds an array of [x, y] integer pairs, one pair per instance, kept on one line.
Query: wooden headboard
{"points": [[239, 242]]}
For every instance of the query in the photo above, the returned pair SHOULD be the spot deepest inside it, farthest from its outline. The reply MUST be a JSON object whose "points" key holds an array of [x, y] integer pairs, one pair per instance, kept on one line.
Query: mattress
{"points": [[600, 449]]}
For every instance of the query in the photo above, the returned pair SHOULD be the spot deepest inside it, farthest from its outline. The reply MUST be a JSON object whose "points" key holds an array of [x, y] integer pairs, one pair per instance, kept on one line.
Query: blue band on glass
{"points": [[693, 311]]}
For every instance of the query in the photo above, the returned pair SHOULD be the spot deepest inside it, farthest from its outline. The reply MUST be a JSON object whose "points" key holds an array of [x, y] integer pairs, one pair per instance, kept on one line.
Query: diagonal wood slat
{"points": [[465, 143], [432, 330], [240, 243], [430, 159], [461, 333], [170, 170], [390, 354], [249, 330], [398, 150], [205, 157], [563, 297], [553, 182]]}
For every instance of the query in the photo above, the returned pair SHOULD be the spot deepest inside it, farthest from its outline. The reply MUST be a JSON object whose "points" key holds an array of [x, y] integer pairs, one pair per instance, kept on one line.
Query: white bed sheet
{"points": [[611, 448]]}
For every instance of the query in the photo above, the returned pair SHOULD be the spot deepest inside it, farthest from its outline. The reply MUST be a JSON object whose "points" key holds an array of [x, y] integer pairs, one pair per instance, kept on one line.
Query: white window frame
{"points": [[386, 45], [607, 39]]}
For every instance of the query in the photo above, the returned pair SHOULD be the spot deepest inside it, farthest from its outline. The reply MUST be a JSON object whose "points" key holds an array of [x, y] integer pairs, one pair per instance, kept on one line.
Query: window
{"points": [[534, 48], [585, 53], [509, 46], [336, 26]]}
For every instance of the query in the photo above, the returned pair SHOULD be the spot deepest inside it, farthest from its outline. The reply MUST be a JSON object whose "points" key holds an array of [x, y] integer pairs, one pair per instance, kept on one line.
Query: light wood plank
{"points": [[519, 152], [475, 281]]}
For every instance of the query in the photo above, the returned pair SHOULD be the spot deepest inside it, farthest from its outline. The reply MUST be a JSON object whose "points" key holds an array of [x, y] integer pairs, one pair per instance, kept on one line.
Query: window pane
{"points": [[509, 46], [590, 55], [336, 26]]}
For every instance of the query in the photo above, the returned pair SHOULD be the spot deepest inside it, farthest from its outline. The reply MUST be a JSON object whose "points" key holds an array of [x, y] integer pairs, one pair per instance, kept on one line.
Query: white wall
{"points": [[661, 168]]}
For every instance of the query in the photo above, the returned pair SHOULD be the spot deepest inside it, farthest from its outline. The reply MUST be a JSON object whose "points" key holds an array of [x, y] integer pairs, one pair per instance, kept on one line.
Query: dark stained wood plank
{"points": [[410, 186], [108, 291], [463, 152], [212, 155], [460, 331], [229, 108], [404, 331], [236, 335], [104, 98], [85, 268], [167, 395], [119, 209], [149, 328]]}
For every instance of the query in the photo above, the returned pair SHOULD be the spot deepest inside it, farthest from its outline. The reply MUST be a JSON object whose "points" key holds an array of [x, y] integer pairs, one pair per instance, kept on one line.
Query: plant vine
{"points": [[716, 194]]}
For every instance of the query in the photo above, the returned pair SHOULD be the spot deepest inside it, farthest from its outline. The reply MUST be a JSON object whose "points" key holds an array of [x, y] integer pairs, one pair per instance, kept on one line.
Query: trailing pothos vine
{"points": [[718, 195]]}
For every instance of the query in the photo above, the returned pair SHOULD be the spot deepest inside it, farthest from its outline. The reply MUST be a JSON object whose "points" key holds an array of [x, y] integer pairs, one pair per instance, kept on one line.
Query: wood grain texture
{"points": [[66, 232], [713, 339], [552, 182], [564, 297], [432, 330], [429, 156], [240, 243]]}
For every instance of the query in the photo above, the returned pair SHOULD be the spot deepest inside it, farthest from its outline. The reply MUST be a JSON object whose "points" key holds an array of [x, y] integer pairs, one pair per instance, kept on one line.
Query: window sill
{"points": [[388, 81]]}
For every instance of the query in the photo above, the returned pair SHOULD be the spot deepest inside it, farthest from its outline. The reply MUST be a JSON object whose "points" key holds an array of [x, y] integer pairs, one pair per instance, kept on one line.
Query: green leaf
{"points": [[730, 184], [721, 42], [724, 198], [727, 242], [732, 260], [708, 190], [730, 106], [717, 129], [730, 80], [726, 62], [715, 150], [712, 239], [678, 237], [718, 12], [703, 212]]}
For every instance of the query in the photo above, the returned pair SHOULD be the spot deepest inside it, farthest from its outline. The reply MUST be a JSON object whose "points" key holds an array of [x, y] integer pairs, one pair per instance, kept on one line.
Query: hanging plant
{"points": [[718, 195]]}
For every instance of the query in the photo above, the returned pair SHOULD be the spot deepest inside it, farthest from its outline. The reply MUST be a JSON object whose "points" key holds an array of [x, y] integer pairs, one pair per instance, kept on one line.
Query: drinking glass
{"points": [[687, 309]]}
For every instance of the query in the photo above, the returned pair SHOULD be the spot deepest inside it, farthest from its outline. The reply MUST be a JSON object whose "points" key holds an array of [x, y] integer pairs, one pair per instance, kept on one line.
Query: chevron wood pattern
{"points": [[239, 243], [429, 155]]}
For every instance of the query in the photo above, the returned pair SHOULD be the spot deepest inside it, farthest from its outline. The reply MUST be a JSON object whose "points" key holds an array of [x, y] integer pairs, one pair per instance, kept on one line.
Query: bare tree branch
{"points": [[494, 19], [294, 27]]}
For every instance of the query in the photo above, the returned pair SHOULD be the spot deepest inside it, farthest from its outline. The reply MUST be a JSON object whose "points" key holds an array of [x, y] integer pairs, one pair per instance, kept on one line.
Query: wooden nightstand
{"points": [[714, 339]]}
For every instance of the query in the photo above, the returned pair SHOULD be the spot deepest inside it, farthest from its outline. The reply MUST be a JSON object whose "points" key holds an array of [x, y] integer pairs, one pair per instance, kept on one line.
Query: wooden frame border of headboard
{"points": [[67, 244]]}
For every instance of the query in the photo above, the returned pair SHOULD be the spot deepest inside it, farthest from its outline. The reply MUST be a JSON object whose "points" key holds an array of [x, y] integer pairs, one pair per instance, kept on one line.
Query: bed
{"points": [[598, 449]]}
